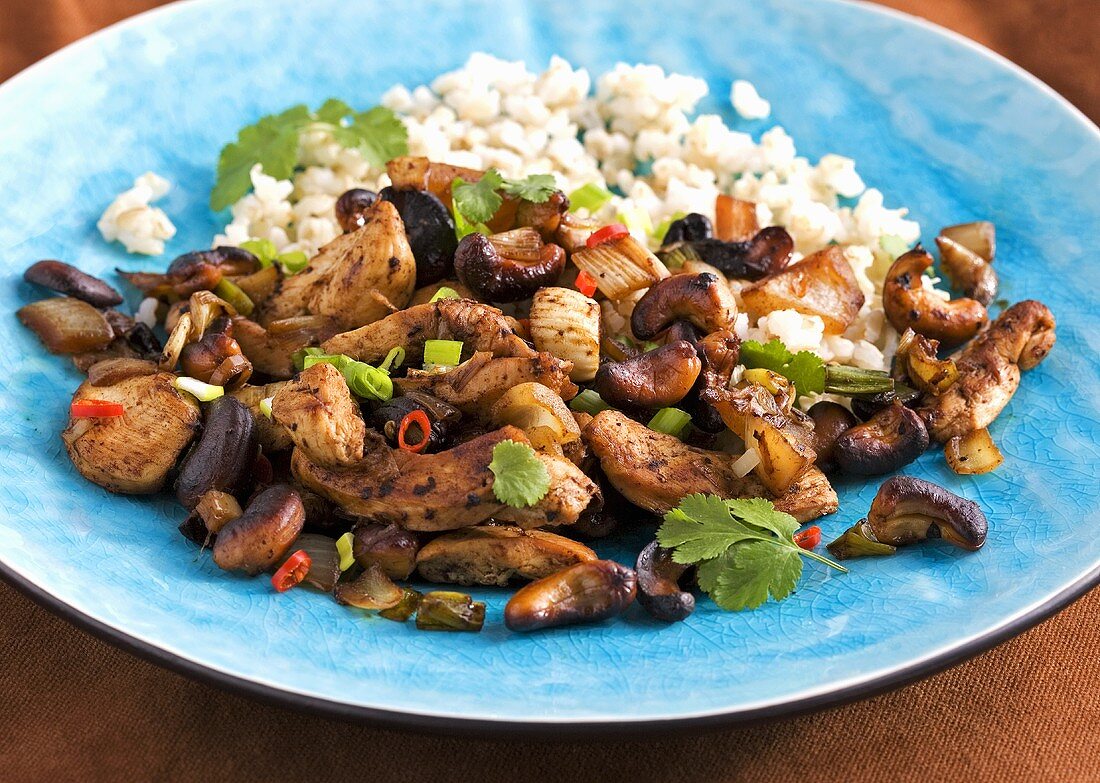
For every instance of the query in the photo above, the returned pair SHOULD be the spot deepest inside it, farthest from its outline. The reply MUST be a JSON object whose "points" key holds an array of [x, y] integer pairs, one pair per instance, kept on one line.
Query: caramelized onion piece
{"points": [[66, 325], [973, 453]]}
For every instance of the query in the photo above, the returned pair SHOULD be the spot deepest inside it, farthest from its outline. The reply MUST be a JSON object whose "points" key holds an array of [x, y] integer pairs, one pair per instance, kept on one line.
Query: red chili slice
{"points": [[292, 572], [607, 234], [94, 409], [585, 283], [420, 419], [808, 538]]}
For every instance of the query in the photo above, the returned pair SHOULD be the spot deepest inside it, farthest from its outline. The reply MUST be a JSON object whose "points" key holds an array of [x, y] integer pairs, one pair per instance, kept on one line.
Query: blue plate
{"points": [[936, 122]]}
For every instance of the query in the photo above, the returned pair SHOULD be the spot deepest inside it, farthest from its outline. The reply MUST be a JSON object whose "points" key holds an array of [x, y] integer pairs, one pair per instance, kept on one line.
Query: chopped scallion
{"points": [[442, 353], [637, 221], [232, 294], [344, 549], [370, 383], [395, 358], [590, 197], [203, 392], [265, 406], [293, 262], [670, 421], [588, 401], [855, 380], [444, 292]]}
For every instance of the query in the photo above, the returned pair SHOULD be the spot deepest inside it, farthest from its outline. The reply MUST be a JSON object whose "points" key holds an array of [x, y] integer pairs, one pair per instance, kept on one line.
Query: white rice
{"points": [[494, 113], [138, 226]]}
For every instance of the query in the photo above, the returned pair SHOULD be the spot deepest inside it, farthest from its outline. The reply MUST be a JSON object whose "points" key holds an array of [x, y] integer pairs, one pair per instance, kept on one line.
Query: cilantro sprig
{"points": [[744, 549], [475, 203], [272, 142], [520, 479], [809, 374]]}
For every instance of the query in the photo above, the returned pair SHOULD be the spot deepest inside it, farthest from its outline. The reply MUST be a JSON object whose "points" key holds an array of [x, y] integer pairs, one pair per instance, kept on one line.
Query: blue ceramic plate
{"points": [[936, 122]]}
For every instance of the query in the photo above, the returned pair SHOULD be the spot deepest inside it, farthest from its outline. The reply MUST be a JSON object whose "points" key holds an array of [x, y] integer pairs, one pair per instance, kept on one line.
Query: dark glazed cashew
{"points": [[351, 207], [258, 538], [763, 255], [496, 278], [720, 351], [891, 439], [585, 593], [830, 422], [702, 299], [655, 379], [70, 281], [908, 509], [216, 357], [909, 305], [223, 457], [659, 590]]}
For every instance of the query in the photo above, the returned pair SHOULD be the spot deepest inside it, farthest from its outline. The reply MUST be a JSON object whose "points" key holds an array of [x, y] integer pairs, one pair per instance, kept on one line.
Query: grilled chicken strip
{"points": [[356, 278], [475, 385], [497, 554], [989, 371], [479, 326], [443, 491], [133, 453], [319, 414], [271, 348], [654, 471]]}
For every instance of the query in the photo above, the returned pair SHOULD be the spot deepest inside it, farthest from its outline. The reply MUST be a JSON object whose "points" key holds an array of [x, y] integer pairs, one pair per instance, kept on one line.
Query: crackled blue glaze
{"points": [[936, 123]]}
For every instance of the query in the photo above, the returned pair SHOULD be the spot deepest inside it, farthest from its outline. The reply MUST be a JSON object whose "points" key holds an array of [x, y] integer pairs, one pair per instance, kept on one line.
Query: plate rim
{"points": [[873, 684]]}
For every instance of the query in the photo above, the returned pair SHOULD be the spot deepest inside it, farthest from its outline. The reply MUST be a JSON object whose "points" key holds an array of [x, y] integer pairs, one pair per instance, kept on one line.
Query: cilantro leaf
{"points": [[333, 111], [378, 134], [478, 201], [520, 477], [272, 142], [701, 527], [806, 370], [534, 187], [756, 570], [763, 514]]}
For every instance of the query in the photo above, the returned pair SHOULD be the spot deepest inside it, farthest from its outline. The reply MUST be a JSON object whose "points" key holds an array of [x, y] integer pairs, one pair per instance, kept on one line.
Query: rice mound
{"points": [[636, 131]]}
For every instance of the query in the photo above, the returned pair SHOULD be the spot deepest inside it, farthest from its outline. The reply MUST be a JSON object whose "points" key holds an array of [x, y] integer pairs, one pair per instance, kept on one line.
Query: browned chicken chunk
{"points": [[497, 554], [320, 416]]}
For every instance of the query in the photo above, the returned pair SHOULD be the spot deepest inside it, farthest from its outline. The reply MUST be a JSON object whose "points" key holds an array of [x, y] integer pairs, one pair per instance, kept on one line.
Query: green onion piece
{"points": [[265, 406], [395, 358], [293, 262], [663, 227], [637, 221], [678, 254], [203, 392], [670, 421], [444, 293], [338, 360], [853, 380], [232, 293], [343, 548], [590, 197], [368, 382], [263, 249], [299, 357], [442, 353], [589, 401], [893, 245]]}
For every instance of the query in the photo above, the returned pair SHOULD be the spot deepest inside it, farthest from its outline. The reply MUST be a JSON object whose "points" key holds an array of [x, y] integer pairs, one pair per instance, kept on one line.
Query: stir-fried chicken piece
{"points": [[133, 453], [443, 491], [271, 349], [319, 414], [497, 554], [475, 385], [356, 278], [479, 326], [654, 471], [989, 371]]}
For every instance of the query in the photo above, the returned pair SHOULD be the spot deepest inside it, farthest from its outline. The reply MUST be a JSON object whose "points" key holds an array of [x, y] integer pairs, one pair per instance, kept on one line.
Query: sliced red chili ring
{"points": [[94, 409], [292, 572], [808, 538], [585, 283], [607, 234], [420, 419]]}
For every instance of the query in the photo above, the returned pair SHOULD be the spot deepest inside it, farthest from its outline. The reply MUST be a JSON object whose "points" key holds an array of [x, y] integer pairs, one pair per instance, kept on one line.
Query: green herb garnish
{"points": [[744, 549], [272, 142], [810, 374], [520, 477], [475, 203], [292, 261], [364, 380], [536, 188]]}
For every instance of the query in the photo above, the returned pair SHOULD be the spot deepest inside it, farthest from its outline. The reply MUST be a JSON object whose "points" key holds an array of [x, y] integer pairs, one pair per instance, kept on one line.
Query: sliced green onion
{"points": [[263, 249], [293, 262], [299, 357], [590, 197], [854, 380], [203, 392], [589, 401], [442, 353], [444, 293], [663, 227], [338, 360], [670, 421], [368, 382], [637, 221], [344, 549], [395, 358], [265, 406], [678, 254], [232, 293], [893, 245]]}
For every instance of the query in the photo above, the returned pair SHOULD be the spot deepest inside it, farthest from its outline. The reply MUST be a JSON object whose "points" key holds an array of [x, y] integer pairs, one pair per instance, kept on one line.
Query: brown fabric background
{"points": [[75, 708]]}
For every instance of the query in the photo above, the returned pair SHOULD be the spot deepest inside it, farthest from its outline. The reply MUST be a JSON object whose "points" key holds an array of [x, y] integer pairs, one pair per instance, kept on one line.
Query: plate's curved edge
{"points": [[483, 727], [572, 731]]}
